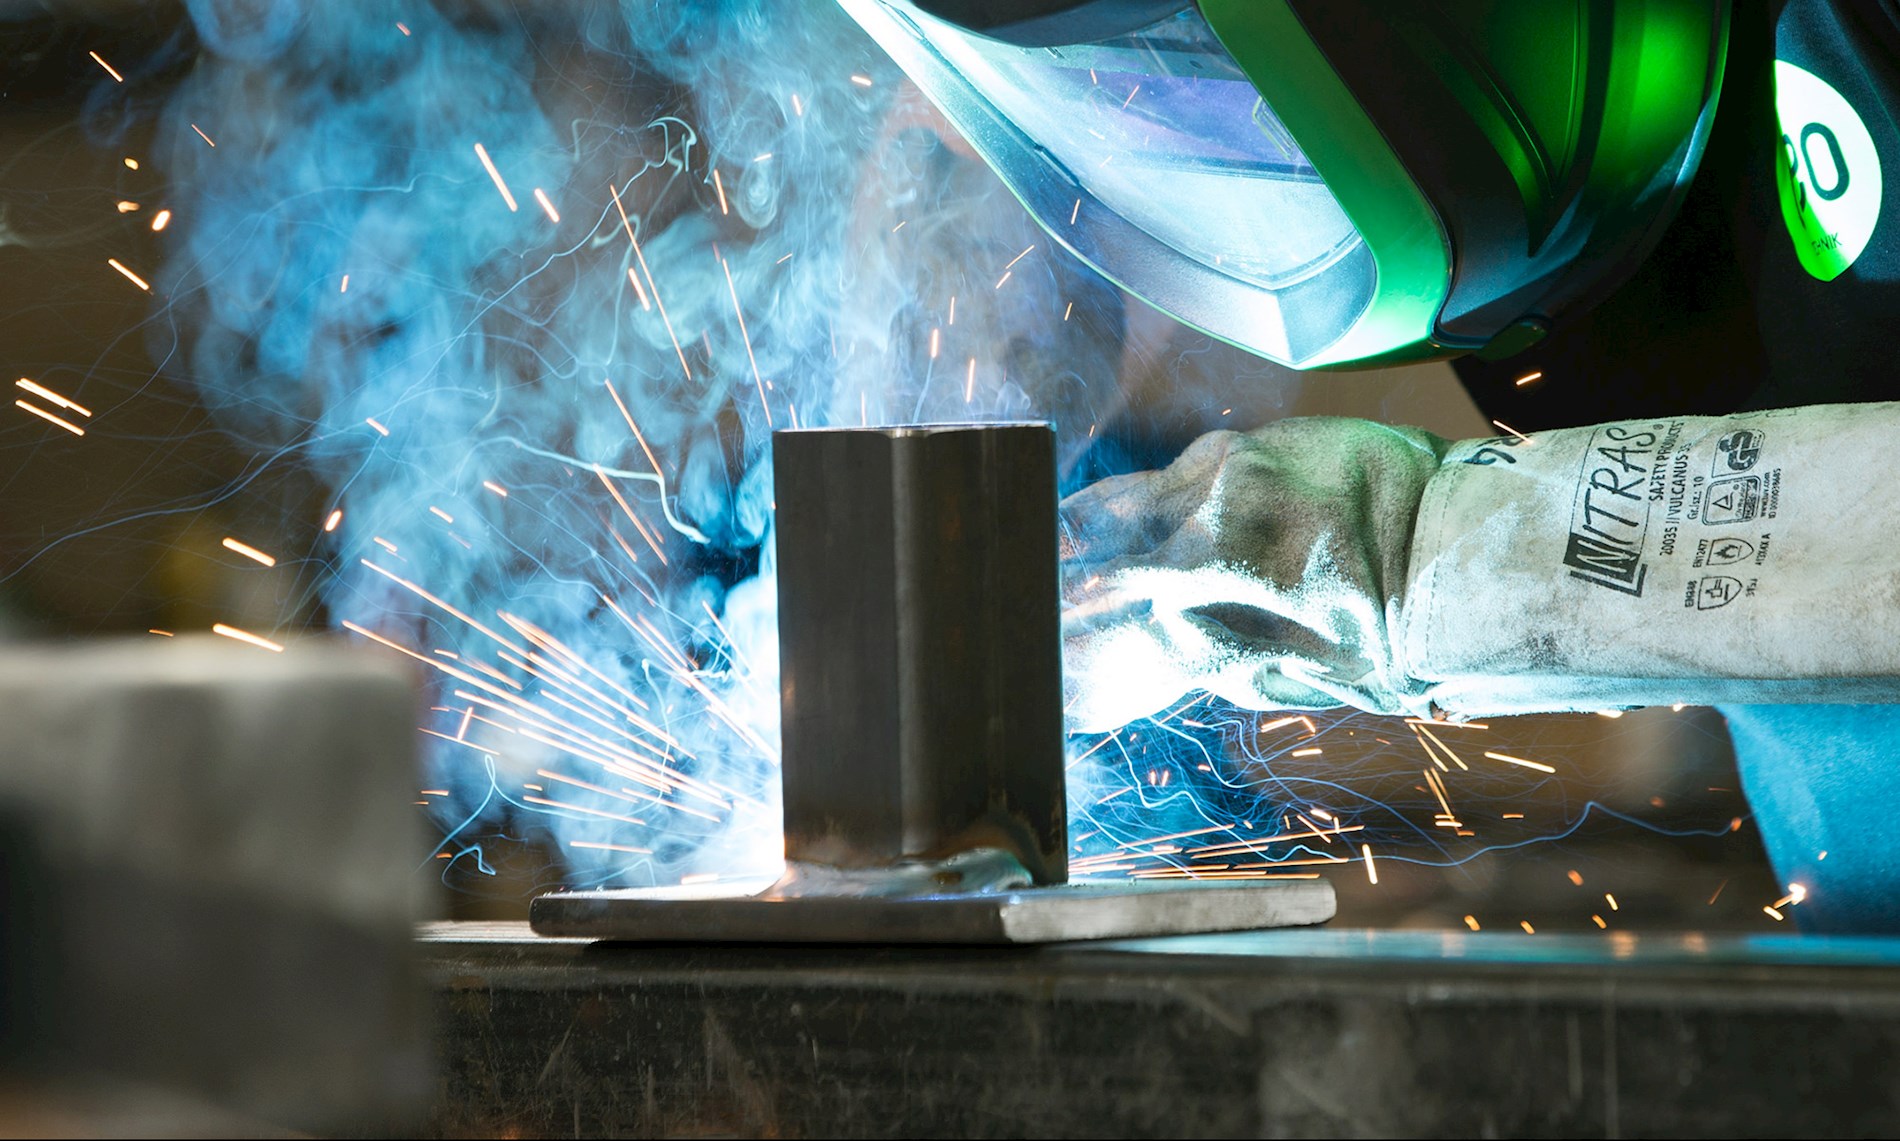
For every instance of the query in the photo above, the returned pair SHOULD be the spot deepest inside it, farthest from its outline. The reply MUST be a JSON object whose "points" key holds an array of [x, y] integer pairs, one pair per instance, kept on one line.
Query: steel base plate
{"points": [[1103, 909]]}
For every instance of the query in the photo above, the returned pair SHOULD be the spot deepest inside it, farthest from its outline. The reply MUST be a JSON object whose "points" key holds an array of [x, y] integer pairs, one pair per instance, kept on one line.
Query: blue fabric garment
{"points": [[1826, 778]]}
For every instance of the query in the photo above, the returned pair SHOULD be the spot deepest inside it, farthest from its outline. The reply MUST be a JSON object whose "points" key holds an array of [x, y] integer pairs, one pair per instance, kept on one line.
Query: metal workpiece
{"points": [[1313, 1033], [920, 656], [919, 647]]}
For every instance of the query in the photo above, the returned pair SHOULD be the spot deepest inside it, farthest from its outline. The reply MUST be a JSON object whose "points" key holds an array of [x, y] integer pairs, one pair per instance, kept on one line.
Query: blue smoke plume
{"points": [[528, 286]]}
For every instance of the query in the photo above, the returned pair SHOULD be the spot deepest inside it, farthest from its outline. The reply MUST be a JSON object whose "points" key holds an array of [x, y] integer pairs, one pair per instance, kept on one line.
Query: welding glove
{"points": [[1321, 562]]}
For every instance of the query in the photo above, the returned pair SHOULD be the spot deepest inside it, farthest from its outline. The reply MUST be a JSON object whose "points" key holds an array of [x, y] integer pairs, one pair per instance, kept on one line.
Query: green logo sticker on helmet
{"points": [[1828, 172]]}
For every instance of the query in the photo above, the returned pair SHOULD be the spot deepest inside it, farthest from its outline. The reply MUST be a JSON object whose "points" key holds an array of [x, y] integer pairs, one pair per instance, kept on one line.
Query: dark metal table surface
{"points": [[1323, 1032]]}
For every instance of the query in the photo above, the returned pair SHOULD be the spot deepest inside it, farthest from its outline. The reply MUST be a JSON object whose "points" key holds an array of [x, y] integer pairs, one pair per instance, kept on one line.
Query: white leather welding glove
{"points": [[1745, 559]]}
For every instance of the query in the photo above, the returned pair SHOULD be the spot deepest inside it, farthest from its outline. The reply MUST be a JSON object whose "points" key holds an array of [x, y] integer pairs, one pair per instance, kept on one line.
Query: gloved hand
{"points": [[1264, 567], [1750, 558]]}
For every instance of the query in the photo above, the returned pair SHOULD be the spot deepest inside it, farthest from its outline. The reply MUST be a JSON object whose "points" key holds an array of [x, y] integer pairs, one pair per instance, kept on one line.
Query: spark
{"points": [[441, 514], [48, 394], [1131, 97], [627, 224], [248, 551], [1471, 921], [330, 524], [1314, 752], [635, 428], [610, 847], [1509, 760], [488, 164], [628, 508], [1073, 214], [160, 220], [134, 278], [766, 157], [861, 80], [1004, 278], [127, 206], [1611, 900], [131, 163], [1372, 872], [1575, 877], [1598, 920], [1067, 311], [936, 341], [969, 382], [900, 225], [547, 207], [798, 107], [345, 287], [50, 418], [720, 186], [202, 135], [497, 488], [1526, 925], [1020, 256], [953, 310], [1612, 714], [376, 424], [1530, 377], [161, 633], [1796, 893], [1774, 915], [402, 27], [1419, 729], [109, 71], [247, 637], [1718, 893], [747, 338], [638, 289]]}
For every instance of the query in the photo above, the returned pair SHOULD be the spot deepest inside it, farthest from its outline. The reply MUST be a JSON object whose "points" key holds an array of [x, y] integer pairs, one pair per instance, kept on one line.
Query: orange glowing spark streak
{"points": [[861, 80], [1372, 872], [248, 551], [1131, 97], [746, 337], [49, 417], [634, 428], [439, 604], [1313, 752], [969, 382], [577, 808], [441, 514], [134, 278], [953, 311], [1575, 877], [497, 488], [1513, 431], [1526, 925], [547, 207], [628, 508], [432, 792], [376, 424], [627, 224], [131, 164], [1254, 844], [1774, 915], [936, 342], [48, 394], [798, 107], [1598, 920], [1067, 311], [1004, 278], [1512, 816], [630, 799], [1020, 256], [732, 644], [127, 207], [1611, 900], [488, 164], [1509, 760], [1529, 377], [1471, 921], [621, 541], [335, 518], [247, 637], [345, 287], [1439, 741], [1438, 790], [160, 220], [109, 71], [639, 290], [720, 186], [1317, 830], [610, 847], [544, 639], [1075, 212], [202, 135], [402, 27]]}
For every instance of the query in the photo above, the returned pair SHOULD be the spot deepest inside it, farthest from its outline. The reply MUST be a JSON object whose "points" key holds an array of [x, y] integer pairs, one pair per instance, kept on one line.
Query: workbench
{"points": [[1307, 1032]]}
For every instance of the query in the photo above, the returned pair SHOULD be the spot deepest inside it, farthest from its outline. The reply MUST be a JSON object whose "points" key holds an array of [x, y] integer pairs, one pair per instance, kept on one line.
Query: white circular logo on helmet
{"points": [[1828, 173]]}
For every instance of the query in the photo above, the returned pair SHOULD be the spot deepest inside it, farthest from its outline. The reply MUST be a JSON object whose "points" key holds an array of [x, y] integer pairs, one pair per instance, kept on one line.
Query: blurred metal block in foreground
{"points": [[921, 703], [207, 877]]}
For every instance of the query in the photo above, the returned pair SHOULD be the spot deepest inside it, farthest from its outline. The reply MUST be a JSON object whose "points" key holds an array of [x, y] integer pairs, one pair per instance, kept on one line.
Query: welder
{"points": [[1651, 232]]}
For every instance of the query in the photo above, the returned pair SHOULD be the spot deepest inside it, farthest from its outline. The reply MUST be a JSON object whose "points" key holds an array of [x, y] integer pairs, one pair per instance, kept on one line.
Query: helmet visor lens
{"points": [[1160, 129]]}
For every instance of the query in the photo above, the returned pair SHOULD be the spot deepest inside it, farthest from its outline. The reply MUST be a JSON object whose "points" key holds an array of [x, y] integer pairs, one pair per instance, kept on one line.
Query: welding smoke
{"points": [[349, 288]]}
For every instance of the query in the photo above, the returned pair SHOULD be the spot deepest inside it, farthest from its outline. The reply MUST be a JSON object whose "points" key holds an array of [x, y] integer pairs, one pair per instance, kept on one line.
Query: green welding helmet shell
{"points": [[1333, 182]]}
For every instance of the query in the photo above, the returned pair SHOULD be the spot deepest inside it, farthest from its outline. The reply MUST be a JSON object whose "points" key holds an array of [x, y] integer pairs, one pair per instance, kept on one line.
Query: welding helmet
{"points": [[1333, 182]]}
